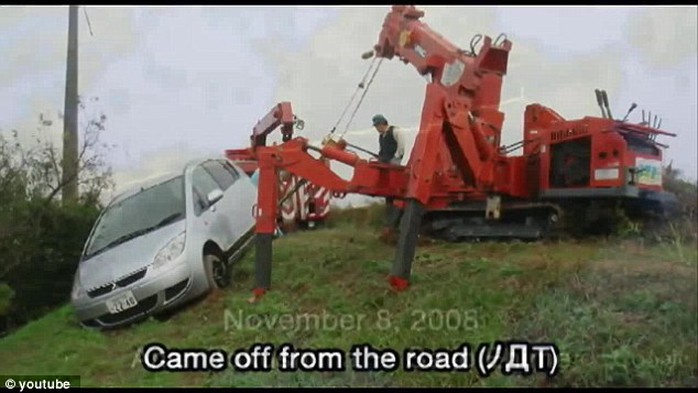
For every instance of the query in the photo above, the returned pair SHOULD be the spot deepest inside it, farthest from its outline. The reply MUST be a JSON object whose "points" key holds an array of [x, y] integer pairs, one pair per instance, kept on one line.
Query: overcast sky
{"points": [[175, 82]]}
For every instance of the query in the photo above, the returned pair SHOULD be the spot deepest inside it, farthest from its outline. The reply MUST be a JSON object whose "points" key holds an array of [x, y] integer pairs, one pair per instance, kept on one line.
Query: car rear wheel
{"points": [[217, 271]]}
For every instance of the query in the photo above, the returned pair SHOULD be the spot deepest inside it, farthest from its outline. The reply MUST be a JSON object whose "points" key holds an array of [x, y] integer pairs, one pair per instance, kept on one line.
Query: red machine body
{"points": [[459, 181], [591, 157], [301, 204]]}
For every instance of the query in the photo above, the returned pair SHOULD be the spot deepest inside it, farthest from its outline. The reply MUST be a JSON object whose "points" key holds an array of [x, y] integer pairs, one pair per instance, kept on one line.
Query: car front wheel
{"points": [[217, 271]]}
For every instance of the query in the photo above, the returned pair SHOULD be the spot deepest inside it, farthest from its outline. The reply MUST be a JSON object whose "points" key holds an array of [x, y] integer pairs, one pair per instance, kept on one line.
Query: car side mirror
{"points": [[214, 196]]}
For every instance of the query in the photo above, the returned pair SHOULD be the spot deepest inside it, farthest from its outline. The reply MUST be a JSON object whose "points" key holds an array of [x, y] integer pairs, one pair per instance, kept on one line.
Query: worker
{"points": [[390, 140], [392, 149]]}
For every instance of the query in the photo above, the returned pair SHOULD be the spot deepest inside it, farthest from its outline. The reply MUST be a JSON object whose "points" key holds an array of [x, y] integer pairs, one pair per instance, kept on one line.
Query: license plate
{"points": [[121, 303]]}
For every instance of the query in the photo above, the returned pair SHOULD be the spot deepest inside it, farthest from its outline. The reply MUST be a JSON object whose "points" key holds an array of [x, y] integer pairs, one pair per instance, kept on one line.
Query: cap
{"points": [[379, 119]]}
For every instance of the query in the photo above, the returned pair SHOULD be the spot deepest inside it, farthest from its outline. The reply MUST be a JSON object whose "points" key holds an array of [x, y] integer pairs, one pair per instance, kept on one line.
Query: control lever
{"points": [[605, 103], [632, 108], [599, 101]]}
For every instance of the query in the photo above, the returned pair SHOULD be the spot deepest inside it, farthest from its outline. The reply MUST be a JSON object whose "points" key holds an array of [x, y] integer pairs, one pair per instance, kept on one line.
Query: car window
{"points": [[202, 184], [222, 176], [233, 172]]}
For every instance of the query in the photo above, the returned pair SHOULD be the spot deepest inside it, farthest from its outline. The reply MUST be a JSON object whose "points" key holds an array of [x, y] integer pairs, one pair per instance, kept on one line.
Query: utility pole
{"points": [[70, 110]]}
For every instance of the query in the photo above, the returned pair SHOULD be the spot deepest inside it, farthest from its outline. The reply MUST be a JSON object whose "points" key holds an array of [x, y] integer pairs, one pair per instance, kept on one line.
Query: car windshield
{"points": [[143, 212]]}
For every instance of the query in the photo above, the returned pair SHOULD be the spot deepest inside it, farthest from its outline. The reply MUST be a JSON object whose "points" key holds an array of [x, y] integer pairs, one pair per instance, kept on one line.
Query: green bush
{"points": [[371, 216], [39, 262], [41, 236], [6, 295], [683, 226]]}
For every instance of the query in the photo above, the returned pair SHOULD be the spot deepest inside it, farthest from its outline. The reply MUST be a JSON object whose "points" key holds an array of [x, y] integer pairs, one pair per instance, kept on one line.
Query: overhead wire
{"points": [[89, 25], [358, 105], [360, 86]]}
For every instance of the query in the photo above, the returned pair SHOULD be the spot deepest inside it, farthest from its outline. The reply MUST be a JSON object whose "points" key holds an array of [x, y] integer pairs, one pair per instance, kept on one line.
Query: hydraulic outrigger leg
{"points": [[262, 263], [266, 226], [407, 243]]}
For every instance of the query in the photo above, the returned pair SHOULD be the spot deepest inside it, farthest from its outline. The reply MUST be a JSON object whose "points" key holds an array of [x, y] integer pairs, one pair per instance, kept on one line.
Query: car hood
{"points": [[127, 257]]}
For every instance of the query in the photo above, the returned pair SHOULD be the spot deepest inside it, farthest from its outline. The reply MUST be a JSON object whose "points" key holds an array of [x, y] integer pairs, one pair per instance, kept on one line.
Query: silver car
{"points": [[166, 242]]}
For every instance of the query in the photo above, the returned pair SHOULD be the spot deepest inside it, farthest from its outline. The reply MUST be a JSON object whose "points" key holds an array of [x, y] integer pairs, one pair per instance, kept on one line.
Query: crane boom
{"points": [[461, 106]]}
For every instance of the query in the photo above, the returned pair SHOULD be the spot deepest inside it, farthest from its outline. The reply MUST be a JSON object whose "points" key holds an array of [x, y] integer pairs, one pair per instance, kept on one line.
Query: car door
{"points": [[213, 219], [246, 194], [237, 201]]}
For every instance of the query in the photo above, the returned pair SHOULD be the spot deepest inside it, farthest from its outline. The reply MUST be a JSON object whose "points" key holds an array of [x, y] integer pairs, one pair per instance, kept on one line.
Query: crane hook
{"points": [[300, 124], [502, 37]]}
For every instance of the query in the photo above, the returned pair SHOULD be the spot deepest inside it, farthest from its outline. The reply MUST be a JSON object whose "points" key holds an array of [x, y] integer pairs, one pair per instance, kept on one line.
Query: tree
{"points": [[43, 161], [38, 234]]}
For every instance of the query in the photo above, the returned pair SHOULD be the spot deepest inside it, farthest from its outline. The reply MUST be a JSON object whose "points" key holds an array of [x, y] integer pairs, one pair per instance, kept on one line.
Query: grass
{"points": [[620, 312]]}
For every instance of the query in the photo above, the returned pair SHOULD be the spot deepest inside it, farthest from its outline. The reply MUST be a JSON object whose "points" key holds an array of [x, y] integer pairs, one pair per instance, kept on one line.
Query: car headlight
{"points": [[77, 291], [172, 250]]}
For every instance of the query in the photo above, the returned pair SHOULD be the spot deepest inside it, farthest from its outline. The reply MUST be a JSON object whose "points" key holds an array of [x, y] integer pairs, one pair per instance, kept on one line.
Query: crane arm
{"points": [[461, 73], [461, 102], [281, 115]]}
